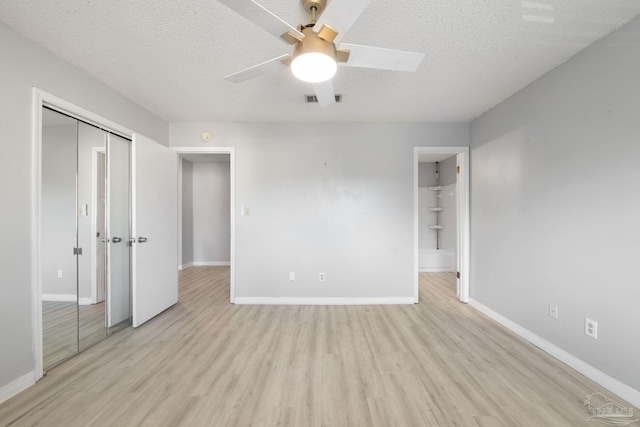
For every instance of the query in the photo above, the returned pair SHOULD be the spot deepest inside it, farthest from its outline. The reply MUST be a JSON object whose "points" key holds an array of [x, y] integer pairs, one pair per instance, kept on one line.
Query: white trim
{"points": [[180, 183], [60, 297], [209, 264], [436, 269], [85, 301], [36, 227], [619, 388], [204, 264], [185, 266], [80, 113], [134, 231], [323, 301], [95, 151], [232, 177], [462, 216], [16, 386]]}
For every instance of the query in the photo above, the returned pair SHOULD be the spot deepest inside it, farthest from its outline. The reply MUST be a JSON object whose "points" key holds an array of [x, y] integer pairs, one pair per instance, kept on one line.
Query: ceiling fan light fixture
{"points": [[314, 67], [314, 59]]}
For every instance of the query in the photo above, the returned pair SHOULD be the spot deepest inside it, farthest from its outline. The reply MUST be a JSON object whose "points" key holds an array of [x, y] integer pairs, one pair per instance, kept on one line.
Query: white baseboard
{"points": [[17, 386], [436, 269], [66, 298], [59, 297], [204, 264], [210, 264], [322, 301], [624, 391]]}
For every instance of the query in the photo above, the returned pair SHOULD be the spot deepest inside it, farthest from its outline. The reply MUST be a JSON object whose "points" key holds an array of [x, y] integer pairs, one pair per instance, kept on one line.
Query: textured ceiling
{"points": [[170, 55]]}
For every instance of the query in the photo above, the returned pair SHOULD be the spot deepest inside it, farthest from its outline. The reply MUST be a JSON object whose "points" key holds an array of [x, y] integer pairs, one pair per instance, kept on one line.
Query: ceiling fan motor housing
{"points": [[314, 44]]}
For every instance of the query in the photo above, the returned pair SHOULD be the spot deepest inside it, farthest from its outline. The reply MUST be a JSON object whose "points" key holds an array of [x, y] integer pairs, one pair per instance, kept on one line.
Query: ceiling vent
{"points": [[311, 99]]}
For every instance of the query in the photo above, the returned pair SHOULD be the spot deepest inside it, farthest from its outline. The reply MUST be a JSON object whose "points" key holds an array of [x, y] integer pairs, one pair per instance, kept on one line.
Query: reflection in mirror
{"points": [[118, 202], [91, 232], [85, 229], [58, 238]]}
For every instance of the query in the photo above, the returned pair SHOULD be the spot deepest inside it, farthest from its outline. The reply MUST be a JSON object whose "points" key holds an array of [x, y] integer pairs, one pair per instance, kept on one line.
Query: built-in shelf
{"points": [[436, 209], [436, 227], [438, 188]]}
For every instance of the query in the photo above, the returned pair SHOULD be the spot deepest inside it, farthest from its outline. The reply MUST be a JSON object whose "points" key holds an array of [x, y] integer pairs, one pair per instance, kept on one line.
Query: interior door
{"points": [[155, 229], [118, 230]]}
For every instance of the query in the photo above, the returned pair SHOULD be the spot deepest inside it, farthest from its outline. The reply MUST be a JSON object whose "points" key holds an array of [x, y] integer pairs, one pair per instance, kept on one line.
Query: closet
{"points": [[85, 232]]}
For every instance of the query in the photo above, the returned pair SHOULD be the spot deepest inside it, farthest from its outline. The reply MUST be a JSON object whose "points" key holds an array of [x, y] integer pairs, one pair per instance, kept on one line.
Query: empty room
{"points": [[319, 213]]}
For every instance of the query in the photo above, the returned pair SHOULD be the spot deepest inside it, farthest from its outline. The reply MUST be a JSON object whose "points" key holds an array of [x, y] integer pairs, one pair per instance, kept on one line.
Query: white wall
{"points": [[447, 199], [88, 138], [211, 215], [58, 210], [26, 65], [426, 199], [426, 174], [448, 170], [448, 179], [556, 201], [187, 213], [336, 199], [448, 218]]}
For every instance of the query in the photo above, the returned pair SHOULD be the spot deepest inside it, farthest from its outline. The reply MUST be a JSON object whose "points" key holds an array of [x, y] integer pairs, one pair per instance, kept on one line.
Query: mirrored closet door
{"points": [[85, 231]]}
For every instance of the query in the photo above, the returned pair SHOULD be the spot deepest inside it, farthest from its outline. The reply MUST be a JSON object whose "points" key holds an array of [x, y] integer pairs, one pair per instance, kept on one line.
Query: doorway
{"points": [[441, 215], [206, 200], [84, 191]]}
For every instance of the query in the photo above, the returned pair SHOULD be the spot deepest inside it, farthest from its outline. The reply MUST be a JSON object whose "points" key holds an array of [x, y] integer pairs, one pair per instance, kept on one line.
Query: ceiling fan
{"points": [[317, 50]]}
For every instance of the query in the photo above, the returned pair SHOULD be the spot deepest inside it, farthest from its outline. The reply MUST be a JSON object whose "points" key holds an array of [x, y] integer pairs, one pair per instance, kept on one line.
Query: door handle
{"points": [[142, 239], [116, 240]]}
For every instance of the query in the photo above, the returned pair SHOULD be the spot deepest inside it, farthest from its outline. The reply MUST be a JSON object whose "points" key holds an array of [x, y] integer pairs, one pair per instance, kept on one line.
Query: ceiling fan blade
{"points": [[340, 15], [261, 17], [381, 58], [267, 67], [325, 93]]}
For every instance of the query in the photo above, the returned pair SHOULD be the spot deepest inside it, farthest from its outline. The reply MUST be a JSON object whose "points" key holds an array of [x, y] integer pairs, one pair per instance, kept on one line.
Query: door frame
{"points": [[42, 99], [232, 203], [462, 258]]}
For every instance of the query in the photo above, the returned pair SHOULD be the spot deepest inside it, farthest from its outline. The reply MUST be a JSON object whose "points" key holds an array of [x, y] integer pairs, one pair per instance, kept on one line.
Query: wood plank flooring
{"points": [[63, 323], [206, 362], [59, 331]]}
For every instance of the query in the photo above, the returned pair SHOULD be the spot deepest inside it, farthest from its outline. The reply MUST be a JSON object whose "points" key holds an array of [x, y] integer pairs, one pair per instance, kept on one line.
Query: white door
{"points": [[118, 230], [155, 229]]}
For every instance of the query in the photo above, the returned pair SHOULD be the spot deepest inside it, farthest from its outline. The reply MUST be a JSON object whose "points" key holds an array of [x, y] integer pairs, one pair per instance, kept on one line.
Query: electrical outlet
{"points": [[553, 311], [292, 275], [59, 274], [321, 277], [591, 328]]}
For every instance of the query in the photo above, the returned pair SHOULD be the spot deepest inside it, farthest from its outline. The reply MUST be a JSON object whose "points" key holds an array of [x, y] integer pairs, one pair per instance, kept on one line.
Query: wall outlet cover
{"points": [[591, 328]]}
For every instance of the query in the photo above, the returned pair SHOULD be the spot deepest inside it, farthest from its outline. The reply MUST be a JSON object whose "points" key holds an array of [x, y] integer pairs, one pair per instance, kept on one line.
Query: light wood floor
{"points": [[63, 323], [206, 362], [59, 331]]}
